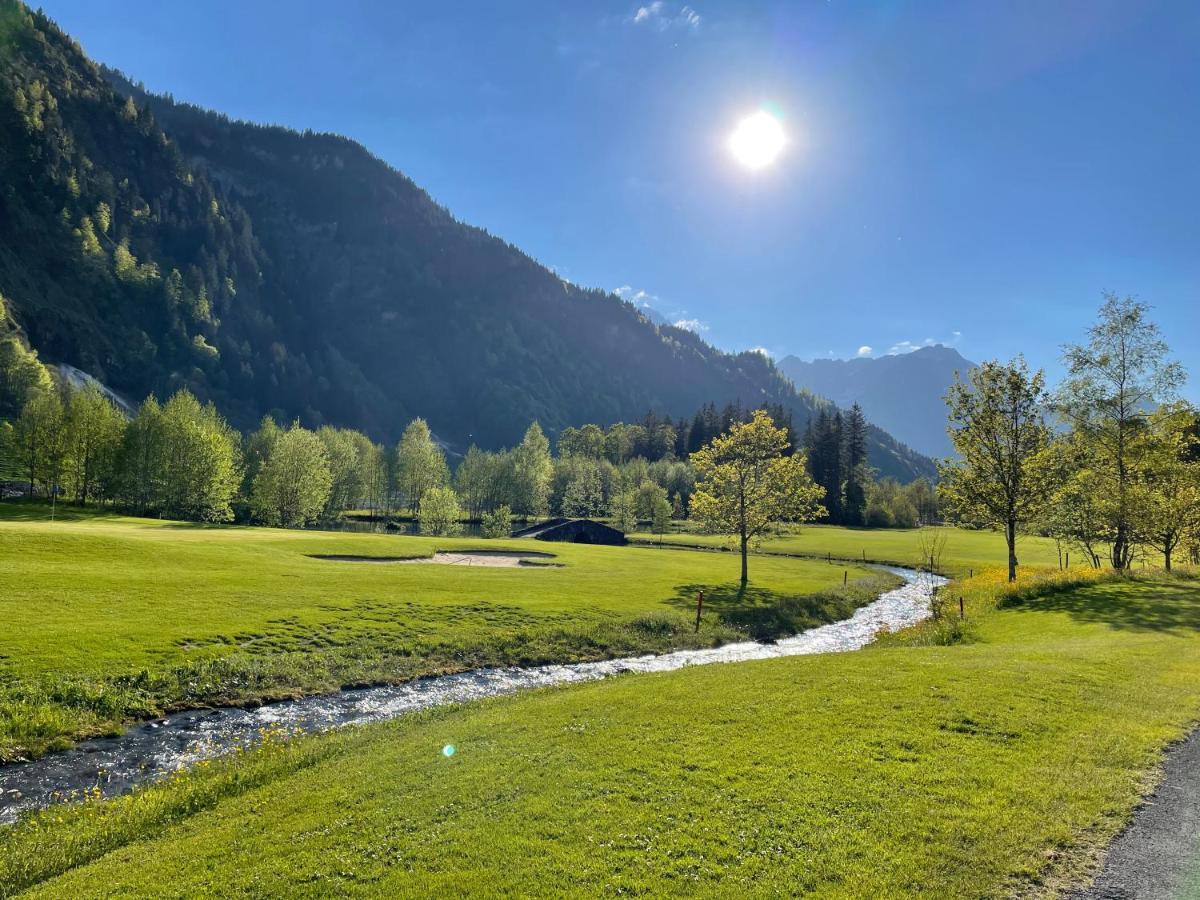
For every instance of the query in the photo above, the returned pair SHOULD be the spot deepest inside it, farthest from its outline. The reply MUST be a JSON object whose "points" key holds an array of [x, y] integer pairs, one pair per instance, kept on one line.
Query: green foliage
{"points": [[532, 470], [622, 508], [420, 464], [497, 523], [293, 485], [95, 431], [1002, 474], [21, 374], [746, 484], [1113, 382], [439, 512], [584, 494]]}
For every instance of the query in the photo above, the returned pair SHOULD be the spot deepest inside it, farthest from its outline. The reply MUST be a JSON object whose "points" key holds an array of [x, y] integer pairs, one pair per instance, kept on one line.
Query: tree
{"points": [[94, 431], [648, 496], [1168, 510], [532, 470], [201, 461], [142, 458], [745, 483], [293, 484], [345, 469], [498, 522], [439, 512], [40, 436], [420, 464], [584, 495], [660, 516], [1113, 382], [825, 460], [623, 510], [1000, 435], [854, 465]]}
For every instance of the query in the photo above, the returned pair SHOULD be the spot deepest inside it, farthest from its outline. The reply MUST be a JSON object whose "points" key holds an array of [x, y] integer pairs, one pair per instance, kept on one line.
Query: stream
{"points": [[152, 750]]}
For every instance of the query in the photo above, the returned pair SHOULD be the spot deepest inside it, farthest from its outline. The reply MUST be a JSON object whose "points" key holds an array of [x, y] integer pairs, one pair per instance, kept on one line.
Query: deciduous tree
{"points": [[746, 483], [1000, 434]]}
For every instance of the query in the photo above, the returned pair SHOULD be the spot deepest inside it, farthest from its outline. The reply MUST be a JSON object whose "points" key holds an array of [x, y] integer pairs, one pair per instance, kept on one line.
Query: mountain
{"points": [[902, 394], [155, 245]]}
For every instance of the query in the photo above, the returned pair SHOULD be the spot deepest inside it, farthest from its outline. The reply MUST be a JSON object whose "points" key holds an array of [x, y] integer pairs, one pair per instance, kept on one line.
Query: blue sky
{"points": [[970, 173]]}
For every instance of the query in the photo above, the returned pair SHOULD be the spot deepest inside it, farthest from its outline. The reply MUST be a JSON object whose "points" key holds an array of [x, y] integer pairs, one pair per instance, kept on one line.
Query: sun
{"points": [[757, 141]]}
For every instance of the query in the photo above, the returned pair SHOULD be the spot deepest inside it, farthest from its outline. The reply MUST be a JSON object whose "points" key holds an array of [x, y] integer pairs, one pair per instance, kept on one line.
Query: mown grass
{"points": [[978, 769], [966, 550], [110, 618]]}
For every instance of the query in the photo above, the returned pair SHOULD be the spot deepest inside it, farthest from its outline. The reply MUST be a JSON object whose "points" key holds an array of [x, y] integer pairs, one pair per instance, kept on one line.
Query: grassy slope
{"points": [[108, 596], [965, 549], [939, 771]]}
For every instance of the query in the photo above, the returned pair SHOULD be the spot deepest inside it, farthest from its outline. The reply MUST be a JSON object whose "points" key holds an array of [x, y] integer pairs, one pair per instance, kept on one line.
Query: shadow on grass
{"points": [[1160, 604], [767, 615]]}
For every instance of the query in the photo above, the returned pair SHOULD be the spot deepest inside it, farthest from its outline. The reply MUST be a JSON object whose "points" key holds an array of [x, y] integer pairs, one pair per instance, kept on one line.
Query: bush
{"points": [[498, 522]]}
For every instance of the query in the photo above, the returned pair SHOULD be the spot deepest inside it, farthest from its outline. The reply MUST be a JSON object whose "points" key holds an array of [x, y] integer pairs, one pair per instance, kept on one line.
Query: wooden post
{"points": [[962, 611], [971, 573], [845, 577], [864, 554], [1068, 559], [829, 557], [699, 609]]}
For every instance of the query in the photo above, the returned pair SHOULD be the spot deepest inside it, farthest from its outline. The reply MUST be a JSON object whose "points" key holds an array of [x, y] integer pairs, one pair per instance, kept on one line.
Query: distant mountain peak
{"points": [[901, 393]]}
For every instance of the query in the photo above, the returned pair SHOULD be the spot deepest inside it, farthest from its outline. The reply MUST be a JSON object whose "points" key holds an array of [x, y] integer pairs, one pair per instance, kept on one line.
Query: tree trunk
{"points": [[745, 550], [1010, 535], [1167, 558]]}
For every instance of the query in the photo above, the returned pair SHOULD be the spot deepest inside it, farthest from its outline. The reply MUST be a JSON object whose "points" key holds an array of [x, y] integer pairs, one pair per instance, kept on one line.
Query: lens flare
{"points": [[448, 751], [758, 140]]}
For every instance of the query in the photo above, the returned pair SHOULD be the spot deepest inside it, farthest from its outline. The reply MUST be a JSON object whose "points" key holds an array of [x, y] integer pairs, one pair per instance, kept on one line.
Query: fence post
{"points": [[845, 577], [699, 609], [962, 612]]}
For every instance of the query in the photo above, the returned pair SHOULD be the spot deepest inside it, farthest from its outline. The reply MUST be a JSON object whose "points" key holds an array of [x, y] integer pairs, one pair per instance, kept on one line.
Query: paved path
{"points": [[1158, 856]]}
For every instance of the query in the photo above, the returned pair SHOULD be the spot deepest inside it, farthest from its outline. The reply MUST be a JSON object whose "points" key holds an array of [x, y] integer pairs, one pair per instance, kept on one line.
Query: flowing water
{"points": [[150, 751]]}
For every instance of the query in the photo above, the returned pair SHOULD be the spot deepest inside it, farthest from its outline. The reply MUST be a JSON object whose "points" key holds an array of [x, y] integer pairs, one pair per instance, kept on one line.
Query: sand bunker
{"points": [[491, 558]]}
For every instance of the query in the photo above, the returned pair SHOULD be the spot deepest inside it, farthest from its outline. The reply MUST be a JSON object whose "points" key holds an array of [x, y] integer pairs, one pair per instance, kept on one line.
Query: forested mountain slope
{"points": [[156, 245]]}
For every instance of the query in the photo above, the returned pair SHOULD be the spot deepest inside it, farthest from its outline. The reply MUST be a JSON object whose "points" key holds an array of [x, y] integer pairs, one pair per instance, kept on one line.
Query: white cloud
{"points": [[638, 298], [865, 350], [761, 350], [692, 325], [661, 17], [909, 346]]}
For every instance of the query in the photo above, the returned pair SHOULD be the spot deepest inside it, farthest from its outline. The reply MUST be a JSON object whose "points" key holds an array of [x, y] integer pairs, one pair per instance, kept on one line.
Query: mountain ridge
{"points": [[156, 245], [902, 393]]}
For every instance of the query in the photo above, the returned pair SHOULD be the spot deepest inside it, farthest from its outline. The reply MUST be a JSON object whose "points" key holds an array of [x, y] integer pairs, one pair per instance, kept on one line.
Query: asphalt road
{"points": [[1157, 857]]}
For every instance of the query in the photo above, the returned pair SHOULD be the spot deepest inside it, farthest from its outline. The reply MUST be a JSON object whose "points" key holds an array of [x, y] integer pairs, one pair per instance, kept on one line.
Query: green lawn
{"points": [[109, 618], [965, 548], [977, 770]]}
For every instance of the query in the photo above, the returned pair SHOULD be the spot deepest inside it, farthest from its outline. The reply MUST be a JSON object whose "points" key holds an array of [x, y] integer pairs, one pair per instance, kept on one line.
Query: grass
{"points": [[966, 550], [110, 618], [977, 769]]}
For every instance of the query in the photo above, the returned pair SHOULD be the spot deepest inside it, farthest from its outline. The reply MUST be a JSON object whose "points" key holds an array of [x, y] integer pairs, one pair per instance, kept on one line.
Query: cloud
{"points": [[660, 16], [692, 325], [865, 350], [902, 347], [762, 351], [638, 298]]}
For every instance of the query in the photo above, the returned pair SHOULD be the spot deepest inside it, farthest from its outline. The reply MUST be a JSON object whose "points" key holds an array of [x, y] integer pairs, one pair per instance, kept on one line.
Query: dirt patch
{"points": [[496, 559]]}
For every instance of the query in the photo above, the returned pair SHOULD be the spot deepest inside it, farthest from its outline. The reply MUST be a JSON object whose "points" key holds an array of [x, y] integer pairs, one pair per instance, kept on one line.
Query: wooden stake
{"points": [[962, 612], [845, 577]]}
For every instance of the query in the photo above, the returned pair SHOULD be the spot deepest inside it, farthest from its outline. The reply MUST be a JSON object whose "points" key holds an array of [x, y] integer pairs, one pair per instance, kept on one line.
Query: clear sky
{"points": [[971, 173]]}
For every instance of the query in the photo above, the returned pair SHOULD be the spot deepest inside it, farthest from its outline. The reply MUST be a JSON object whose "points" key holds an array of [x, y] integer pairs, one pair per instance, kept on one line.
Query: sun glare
{"points": [[757, 141]]}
